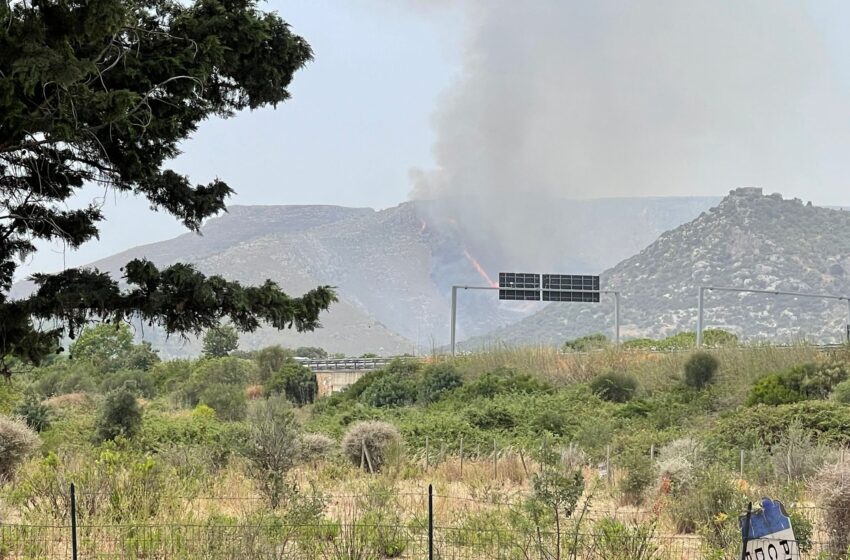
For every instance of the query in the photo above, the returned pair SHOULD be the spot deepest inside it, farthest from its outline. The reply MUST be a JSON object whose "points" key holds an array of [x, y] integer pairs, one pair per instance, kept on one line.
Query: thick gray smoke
{"points": [[576, 99]]}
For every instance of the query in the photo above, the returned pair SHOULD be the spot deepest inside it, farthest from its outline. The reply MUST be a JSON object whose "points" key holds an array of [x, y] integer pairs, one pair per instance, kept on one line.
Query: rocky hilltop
{"points": [[749, 240], [394, 268]]}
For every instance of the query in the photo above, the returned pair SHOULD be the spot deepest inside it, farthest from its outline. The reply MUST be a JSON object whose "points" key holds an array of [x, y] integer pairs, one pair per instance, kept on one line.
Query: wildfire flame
{"points": [[422, 225], [480, 269]]}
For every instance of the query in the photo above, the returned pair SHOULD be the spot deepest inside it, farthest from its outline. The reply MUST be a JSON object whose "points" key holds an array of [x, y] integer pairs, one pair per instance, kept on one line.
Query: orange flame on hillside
{"points": [[480, 269]]}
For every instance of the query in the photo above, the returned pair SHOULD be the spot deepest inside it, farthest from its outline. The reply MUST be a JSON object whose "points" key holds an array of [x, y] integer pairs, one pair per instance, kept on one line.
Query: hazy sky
{"points": [[562, 97]]}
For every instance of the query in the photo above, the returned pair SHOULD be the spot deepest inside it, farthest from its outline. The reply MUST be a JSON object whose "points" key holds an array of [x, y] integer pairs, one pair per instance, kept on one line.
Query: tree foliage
{"points": [[220, 341], [103, 93]]}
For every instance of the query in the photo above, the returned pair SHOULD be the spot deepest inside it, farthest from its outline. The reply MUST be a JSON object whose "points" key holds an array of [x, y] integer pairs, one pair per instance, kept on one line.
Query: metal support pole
{"points": [[848, 321], [699, 315], [73, 523], [454, 316], [430, 522], [616, 318], [745, 536]]}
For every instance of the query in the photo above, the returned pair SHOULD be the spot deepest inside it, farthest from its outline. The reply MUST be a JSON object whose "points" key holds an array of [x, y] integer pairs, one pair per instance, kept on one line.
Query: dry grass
{"points": [[654, 370], [70, 400]]}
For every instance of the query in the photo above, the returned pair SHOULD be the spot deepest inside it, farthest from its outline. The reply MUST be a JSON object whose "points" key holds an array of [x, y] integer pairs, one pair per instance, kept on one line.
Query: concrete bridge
{"points": [[335, 375]]}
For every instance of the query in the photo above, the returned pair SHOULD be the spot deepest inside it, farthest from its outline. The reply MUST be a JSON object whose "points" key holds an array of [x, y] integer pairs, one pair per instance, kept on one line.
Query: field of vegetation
{"points": [[532, 453]]}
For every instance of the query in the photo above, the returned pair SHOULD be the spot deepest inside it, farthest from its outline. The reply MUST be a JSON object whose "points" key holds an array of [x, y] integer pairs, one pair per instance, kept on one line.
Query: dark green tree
{"points": [[103, 93], [220, 341], [296, 382]]}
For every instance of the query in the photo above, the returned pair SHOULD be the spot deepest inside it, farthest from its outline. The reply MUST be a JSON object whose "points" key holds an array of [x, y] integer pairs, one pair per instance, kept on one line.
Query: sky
{"points": [[498, 98]]}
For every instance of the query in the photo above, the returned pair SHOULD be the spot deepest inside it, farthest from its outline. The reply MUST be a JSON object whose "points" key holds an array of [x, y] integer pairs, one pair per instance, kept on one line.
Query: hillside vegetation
{"points": [[747, 241], [532, 452]]}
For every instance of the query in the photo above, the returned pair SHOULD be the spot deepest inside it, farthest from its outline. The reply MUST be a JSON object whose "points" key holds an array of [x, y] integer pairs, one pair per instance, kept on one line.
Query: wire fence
{"points": [[428, 532], [355, 542]]}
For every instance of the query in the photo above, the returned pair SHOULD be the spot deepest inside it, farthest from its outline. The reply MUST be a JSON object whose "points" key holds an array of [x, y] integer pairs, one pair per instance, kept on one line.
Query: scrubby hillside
{"points": [[749, 241]]}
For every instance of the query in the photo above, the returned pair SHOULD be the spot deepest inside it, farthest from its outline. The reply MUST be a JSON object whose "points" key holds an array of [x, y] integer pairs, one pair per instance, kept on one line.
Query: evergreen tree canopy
{"points": [[102, 92]]}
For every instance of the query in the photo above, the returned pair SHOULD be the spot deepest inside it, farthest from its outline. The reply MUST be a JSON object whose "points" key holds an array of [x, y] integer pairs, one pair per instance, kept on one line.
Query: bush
{"points": [[614, 539], [711, 507], [378, 439], [832, 488], [229, 371], [272, 447], [615, 387], [140, 382], [17, 442], [120, 415], [390, 390], [587, 343], [270, 360], [773, 390], [639, 476], [316, 447], [298, 383], [437, 381], [311, 352], [807, 381], [677, 461], [505, 381], [492, 416], [64, 378], [36, 414], [841, 392], [700, 369], [228, 401]]}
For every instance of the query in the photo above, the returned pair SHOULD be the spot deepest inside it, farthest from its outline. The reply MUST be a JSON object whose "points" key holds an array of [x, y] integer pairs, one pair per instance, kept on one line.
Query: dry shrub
{"points": [[254, 392], [316, 447], [378, 439], [832, 488], [17, 442], [70, 400]]}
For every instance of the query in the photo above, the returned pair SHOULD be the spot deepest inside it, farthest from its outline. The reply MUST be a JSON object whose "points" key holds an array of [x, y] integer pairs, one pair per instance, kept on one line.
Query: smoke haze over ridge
{"points": [[568, 99]]}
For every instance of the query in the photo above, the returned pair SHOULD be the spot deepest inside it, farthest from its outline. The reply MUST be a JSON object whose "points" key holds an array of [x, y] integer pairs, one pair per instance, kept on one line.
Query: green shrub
{"points": [[700, 369], [270, 360], [36, 414], [296, 382], [841, 392], [806, 381], [379, 440], [772, 390], [825, 421], [710, 507], [63, 378], [615, 387], [228, 370], [504, 381], [17, 442], [272, 447], [390, 391], [169, 376], [140, 382], [311, 352], [492, 416], [615, 539], [637, 479], [587, 343], [437, 381], [120, 415], [228, 401]]}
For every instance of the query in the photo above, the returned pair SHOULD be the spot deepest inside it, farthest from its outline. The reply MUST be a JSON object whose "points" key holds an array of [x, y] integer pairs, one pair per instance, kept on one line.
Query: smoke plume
{"points": [[577, 99]]}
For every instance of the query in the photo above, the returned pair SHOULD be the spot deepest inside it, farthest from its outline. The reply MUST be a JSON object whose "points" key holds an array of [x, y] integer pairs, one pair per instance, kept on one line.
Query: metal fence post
{"points": [[745, 537], [73, 523], [430, 522]]}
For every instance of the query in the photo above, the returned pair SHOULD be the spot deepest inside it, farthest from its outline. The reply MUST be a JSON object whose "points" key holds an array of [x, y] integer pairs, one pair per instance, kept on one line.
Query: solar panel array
{"points": [[519, 286], [523, 286], [571, 288]]}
